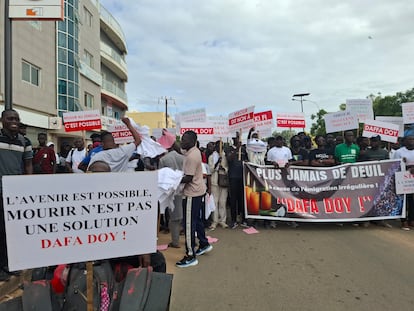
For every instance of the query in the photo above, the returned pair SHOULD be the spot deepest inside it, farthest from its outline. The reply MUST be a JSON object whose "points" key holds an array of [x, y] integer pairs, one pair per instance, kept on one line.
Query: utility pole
{"points": [[8, 77], [301, 100], [166, 108]]}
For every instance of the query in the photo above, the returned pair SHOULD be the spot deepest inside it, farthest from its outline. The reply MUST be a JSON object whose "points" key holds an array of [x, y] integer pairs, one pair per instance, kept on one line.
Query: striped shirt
{"points": [[13, 151]]}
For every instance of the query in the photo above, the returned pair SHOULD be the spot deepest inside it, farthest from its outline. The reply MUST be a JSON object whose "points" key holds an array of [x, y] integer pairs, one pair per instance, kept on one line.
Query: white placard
{"points": [[36, 9], [404, 182], [340, 121], [221, 126], [394, 120], [290, 119], [204, 131], [263, 123], [242, 119], [362, 108], [121, 133], [408, 113], [66, 218], [387, 131]]}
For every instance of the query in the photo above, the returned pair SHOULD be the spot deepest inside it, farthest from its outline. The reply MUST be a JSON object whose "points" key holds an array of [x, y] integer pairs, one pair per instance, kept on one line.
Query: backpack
{"points": [[75, 292]]}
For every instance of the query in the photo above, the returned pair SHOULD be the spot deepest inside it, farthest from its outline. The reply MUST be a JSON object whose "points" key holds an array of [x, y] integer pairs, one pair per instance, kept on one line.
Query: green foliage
{"points": [[318, 127]]}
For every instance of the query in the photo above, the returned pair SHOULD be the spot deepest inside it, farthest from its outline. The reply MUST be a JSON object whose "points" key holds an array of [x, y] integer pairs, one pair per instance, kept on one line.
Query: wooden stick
{"points": [[89, 285], [240, 144]]}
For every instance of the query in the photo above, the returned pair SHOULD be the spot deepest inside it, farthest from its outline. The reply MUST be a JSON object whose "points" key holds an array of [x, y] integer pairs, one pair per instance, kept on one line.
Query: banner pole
{"points": [[89, 285], [240, 144]]}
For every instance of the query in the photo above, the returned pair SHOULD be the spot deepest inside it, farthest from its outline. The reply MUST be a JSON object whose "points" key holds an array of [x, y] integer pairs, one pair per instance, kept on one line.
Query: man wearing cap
{"points": [[44, 159]]}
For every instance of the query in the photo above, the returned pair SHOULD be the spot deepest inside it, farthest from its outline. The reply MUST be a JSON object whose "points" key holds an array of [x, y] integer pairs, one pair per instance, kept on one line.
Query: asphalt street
{"points": [[312, 267]]}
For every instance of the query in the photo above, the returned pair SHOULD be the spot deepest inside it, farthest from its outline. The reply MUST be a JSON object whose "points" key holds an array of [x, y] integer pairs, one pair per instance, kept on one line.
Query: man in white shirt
{"points": [[117, 157], [279, 155], [75, 156]]}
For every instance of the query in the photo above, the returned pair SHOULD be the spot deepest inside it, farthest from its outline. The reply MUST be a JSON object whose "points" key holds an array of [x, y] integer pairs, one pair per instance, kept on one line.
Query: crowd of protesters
{"points": [[203, 169]]}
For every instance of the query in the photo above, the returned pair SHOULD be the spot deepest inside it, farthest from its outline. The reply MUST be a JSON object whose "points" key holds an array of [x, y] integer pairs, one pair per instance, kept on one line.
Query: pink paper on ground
{"points": [[212, 240], [162, 247], [250, 230]]}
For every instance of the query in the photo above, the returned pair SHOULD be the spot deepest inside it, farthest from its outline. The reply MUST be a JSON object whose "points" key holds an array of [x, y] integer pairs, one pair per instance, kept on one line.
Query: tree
{"points": [[318, 127]]}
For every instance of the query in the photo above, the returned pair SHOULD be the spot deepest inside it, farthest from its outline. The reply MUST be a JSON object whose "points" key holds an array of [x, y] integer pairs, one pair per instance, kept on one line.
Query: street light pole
{"points": [[8, 78], [301, 95]]}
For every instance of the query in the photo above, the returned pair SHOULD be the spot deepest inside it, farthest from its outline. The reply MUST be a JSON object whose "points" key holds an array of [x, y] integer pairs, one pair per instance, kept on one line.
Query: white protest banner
{"points": [[263, 123], [290, 120], [404, 182], [204, 131], [121, 133], [241, 119], [387, 131], [194, 115], [408, 113], [82, 120], [362, 108], [67, 218], [394, 120], [340, 121], [221, 126]]}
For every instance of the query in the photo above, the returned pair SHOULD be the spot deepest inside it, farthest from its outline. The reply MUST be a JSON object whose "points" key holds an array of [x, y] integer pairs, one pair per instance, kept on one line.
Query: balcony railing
{"points": [[110, 87], [114, 55], [110, 20]]}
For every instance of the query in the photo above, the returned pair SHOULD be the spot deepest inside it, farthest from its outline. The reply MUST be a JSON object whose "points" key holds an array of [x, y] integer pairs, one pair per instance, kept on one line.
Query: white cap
{"points": [[50, 143]]}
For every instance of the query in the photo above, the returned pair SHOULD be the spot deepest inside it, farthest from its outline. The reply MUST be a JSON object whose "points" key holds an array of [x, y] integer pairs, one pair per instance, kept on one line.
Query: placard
{"points": [[340, 121], [204, 131], [362, 108], [82, 120], [121, 133], [221, 126], [387, 131], [404, 182], [408, 113], [241, 119], [394, 120], [263, 123], [67, 218], [290, 119]]}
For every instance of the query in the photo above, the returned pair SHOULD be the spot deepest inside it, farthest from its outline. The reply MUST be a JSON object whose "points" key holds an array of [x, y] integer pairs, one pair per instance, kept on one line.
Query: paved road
{"points": [[313, 267]]}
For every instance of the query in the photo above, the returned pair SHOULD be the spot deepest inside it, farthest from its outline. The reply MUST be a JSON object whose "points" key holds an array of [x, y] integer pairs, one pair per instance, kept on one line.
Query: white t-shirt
{"points": [[403, 152], [76, 157], [280, 155], [117, 158]]}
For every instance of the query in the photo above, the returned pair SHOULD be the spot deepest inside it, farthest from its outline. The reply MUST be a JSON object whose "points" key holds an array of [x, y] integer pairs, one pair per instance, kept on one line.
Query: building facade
{"points": [[72, 65]]}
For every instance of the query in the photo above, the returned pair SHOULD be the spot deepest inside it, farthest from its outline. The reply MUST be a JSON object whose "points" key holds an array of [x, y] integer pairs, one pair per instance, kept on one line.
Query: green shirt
{"points": [[346, 154]]}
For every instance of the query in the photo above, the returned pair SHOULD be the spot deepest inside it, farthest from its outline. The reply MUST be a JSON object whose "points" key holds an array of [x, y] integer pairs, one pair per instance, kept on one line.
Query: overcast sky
{"points": [[226, 55]]}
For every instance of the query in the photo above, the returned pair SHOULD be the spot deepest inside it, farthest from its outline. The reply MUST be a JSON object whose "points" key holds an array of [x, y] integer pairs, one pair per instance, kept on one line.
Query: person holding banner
{"points": [[406, 153], [13, 151], [235, 155], [321, 156], [218, 165], [347, 152], [193, 196]]}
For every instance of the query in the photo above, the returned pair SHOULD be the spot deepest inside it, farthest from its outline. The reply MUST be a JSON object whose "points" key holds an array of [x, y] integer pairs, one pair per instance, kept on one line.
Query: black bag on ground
{"points": [[146, 290]]}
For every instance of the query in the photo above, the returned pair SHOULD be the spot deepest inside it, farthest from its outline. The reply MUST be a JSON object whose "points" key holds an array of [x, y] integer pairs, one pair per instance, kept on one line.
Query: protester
{"points": [[44, 159], [65, 148], [347, 152], [406, 153], [75, 156], [300, 155], [218, 165], [97, 147], [13, 151], [117, 157], [174, 160], [235, 155], [194, 192], [279, 155], [322, 155]]}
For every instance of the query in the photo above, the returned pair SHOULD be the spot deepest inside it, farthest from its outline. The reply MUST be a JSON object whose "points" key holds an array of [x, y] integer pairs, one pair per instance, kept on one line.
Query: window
{"points": [[88, 100], [88, 58], [87, 17], [117, 115], [30, 73]]}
